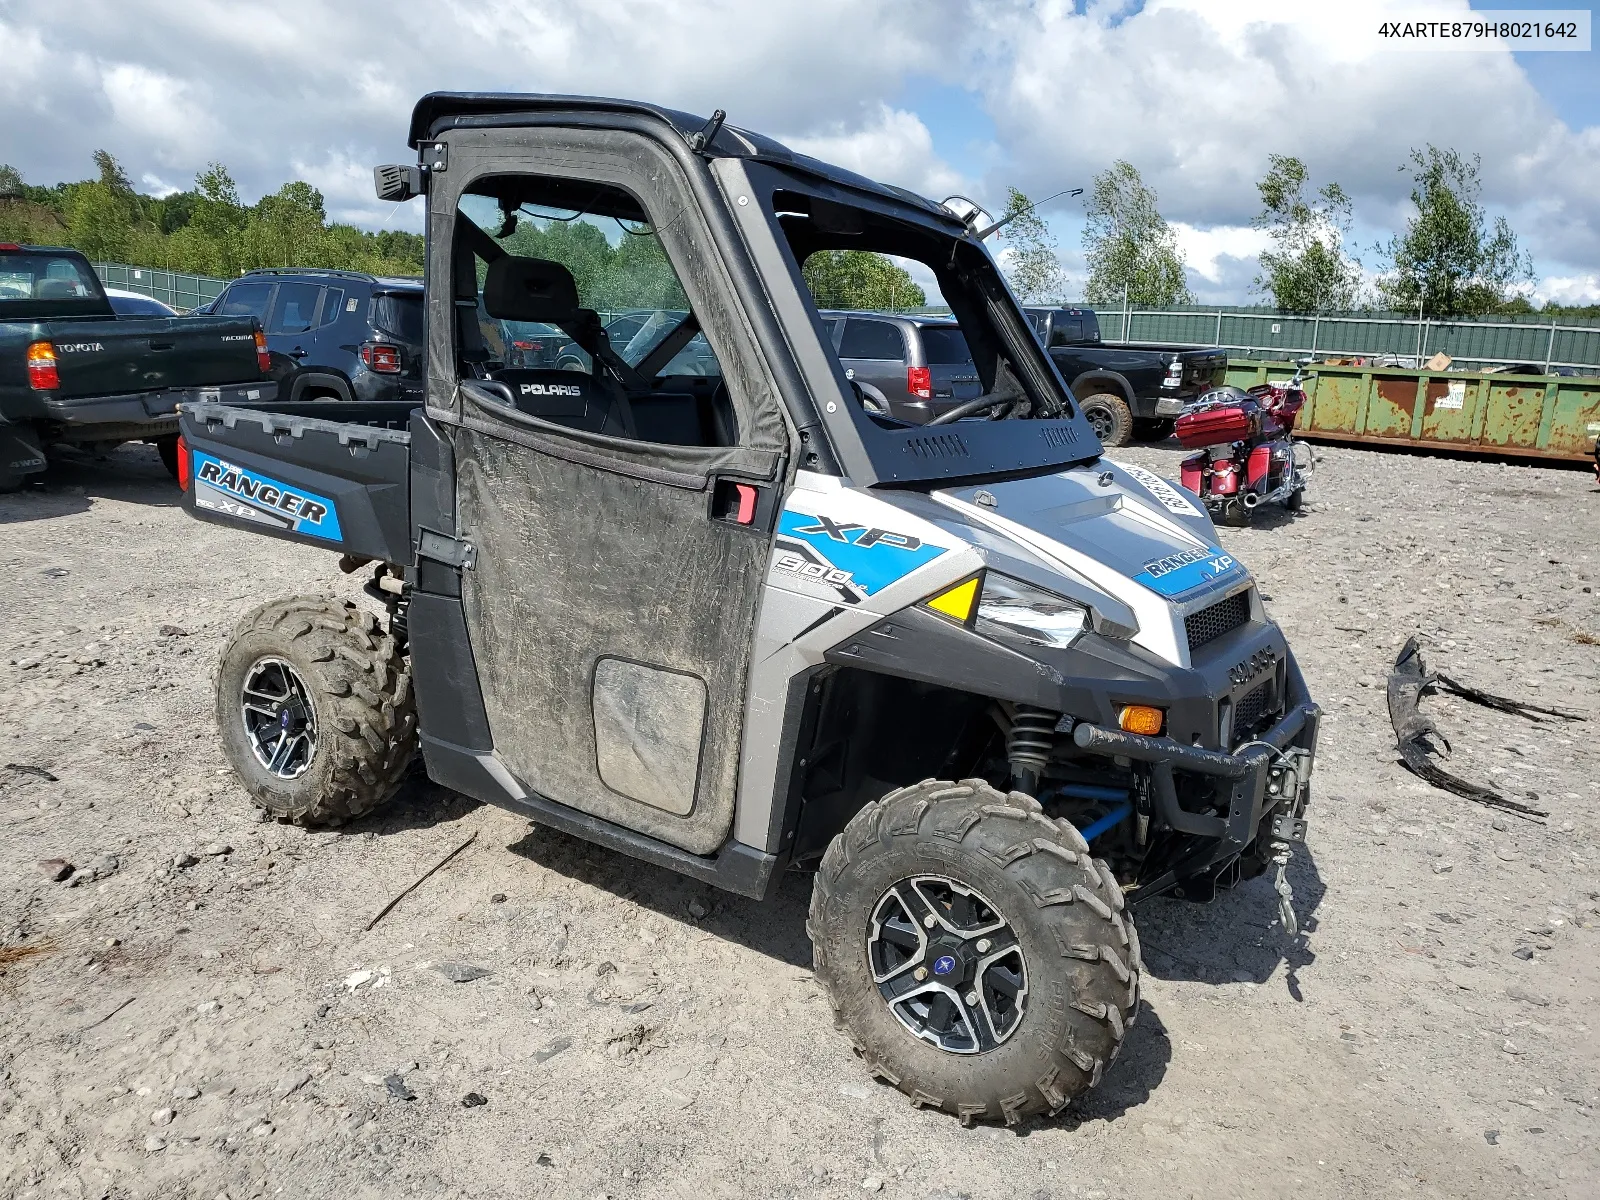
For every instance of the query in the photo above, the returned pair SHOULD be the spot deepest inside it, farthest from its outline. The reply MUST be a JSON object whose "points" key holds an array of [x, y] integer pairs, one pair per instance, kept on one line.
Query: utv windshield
{"points": [[1022, 417]]}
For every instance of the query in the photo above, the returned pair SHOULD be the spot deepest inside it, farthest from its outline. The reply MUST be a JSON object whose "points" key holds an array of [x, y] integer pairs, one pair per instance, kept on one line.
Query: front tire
{"points": [[982, 874], [315, 710], [1109, 417]]}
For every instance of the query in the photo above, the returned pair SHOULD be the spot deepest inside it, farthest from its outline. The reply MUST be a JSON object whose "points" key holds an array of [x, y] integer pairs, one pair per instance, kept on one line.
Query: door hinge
{"points": [[453, 552], [434, 157]]}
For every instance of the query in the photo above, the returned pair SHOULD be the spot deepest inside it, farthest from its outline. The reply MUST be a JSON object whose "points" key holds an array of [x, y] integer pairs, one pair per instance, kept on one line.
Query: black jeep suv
{"points": [[335, 335]]}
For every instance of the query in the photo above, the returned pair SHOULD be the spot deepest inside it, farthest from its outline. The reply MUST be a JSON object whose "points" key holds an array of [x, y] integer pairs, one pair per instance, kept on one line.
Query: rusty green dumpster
{"points": [[1516, 416]]}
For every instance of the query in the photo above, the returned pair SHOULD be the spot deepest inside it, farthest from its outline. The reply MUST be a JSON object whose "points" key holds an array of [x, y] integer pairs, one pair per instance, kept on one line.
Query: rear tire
{"points": [[1235, 515], [1294, 500], [327, 669], [167, 448], [1078, 949], [1153, 429], [1108, 414]]}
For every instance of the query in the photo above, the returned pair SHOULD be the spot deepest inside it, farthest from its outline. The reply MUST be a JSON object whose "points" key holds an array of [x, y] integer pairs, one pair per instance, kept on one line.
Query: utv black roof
{"points": [[439, 111]]}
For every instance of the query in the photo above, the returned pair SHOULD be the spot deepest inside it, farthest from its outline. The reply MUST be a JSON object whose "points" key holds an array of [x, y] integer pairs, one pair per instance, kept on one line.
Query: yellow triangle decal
{"points": [[957, 602]]}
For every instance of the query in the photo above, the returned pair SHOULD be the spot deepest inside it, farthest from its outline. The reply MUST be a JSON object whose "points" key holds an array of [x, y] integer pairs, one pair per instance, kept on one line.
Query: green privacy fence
{"points": [[181, 291], [1572, 342], [1393, 338]]}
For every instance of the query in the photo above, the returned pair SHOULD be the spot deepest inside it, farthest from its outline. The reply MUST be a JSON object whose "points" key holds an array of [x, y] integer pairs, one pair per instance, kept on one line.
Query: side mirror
{"points": [[395, 182]]}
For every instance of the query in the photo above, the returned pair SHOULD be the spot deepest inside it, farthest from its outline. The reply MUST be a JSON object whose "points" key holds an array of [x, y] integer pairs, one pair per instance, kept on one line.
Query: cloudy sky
{"points": [[939, 95]]}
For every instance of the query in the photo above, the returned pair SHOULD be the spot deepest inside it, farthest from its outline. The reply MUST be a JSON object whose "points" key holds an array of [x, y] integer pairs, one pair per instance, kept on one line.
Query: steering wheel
{"points": [[977, 405]]}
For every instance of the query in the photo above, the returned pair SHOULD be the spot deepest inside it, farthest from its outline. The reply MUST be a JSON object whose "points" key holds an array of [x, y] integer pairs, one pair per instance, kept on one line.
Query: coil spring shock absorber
{"points": [[389, 588], [1028, 744]]}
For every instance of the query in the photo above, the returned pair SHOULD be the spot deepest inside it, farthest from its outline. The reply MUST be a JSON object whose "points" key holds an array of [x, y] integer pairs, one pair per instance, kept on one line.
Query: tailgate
{"points": [[955, 382], [341, 485], [124, 355], [1207, 368]]}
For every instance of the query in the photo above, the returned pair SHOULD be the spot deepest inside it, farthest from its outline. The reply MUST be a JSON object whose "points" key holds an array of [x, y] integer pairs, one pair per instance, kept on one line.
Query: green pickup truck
{"points": [[72, 371]]}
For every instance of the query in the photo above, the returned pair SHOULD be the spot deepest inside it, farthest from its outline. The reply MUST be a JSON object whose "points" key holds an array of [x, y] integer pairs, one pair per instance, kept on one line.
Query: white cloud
{"points": [[1196, 93], [1204, 249], [155, 186], [158, 109], [1576, 289], [892, 145]]}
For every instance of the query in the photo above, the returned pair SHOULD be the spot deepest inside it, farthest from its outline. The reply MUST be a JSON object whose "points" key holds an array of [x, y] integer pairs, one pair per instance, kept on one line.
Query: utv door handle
{"points": [[745, 504]]}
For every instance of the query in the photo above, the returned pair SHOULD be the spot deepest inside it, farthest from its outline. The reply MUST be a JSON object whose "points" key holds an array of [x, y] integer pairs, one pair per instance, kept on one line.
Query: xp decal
{"points": [[233, 491], [854, 560], [1189, 569]]}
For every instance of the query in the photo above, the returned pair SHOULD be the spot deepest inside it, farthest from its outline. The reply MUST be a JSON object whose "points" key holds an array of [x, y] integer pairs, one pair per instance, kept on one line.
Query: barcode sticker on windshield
{"points": [[1171, 498]]}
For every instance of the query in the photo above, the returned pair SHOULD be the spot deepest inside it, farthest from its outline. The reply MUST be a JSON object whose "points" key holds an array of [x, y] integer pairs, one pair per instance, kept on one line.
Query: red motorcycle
{"points": [[1246, 448]]}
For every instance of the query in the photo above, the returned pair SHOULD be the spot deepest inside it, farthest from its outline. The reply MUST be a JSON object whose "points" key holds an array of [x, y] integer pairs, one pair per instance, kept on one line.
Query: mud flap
{"points": [[21, 455]]}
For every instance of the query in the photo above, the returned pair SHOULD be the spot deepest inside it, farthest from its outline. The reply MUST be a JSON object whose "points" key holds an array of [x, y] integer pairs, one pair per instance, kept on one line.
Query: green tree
{"points": [[206, 230], [1449, 261], [174, 212], [287, 229], [1307, 270], [102, 213], [212, 241], [1031, 263], [1131, 249], [860, 279]]}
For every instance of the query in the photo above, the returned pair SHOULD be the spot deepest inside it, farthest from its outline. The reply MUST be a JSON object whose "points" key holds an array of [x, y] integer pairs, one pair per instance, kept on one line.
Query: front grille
{"points": [[1209, 624], [1250, 708]]}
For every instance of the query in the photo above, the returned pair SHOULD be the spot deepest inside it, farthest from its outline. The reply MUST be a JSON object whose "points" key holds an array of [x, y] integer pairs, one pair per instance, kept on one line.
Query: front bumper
{"points": [[1269, 776], [141, 414]]}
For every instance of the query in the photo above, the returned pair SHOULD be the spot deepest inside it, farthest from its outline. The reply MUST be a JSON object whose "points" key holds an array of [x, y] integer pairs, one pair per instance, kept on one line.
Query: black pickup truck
{"points": [[1126, 391], [72, 371]]}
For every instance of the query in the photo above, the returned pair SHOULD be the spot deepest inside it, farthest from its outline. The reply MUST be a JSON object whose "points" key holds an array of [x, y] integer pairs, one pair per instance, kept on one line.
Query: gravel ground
{"points": [[196, 1011]]}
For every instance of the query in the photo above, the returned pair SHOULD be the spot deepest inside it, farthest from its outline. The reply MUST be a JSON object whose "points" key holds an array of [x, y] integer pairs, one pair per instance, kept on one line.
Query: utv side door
{"points": [[620, 526]]}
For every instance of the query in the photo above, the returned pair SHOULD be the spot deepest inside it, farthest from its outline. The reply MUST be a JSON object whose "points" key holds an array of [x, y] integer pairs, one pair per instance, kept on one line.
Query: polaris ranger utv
{"points": [[988, 685]]}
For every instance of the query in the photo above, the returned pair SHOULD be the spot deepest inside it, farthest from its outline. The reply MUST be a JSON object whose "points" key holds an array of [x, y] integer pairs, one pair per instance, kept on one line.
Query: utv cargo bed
{"points": [[334, 475]]}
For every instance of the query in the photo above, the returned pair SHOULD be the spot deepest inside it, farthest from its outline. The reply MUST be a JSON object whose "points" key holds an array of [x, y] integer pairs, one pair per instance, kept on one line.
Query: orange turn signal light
{"points": [[1141, 718]]}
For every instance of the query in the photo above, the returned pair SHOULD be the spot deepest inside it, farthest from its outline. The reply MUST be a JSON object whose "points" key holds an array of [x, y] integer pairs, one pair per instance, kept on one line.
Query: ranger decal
{"points": [[1186, 570], [222, 487]]}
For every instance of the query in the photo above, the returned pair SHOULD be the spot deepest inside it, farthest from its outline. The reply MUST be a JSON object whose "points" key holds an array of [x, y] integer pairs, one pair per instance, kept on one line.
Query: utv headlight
{"points": [[1010, 610]]}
